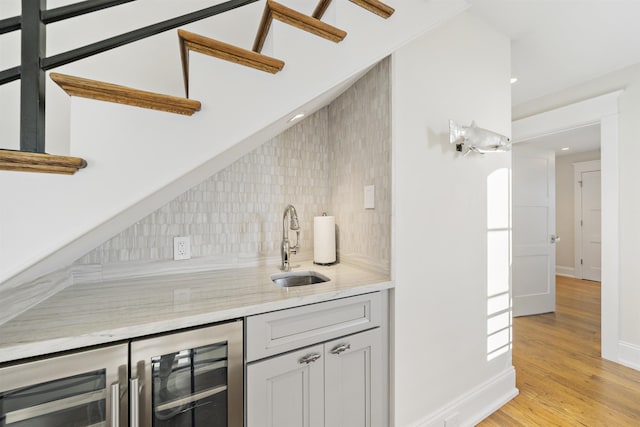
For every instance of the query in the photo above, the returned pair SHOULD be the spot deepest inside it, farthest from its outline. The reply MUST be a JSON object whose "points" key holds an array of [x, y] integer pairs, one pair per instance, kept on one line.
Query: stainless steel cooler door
{"points": [[87, 388], [189, 379]]}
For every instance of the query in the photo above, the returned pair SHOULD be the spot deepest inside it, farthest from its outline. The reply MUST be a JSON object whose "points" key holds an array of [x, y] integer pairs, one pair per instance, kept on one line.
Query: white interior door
{"points": [[534, 252], [591, 218]]}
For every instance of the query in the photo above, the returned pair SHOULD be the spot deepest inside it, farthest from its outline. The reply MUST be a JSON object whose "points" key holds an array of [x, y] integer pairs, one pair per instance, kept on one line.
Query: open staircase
{"points": [[76, 86]]}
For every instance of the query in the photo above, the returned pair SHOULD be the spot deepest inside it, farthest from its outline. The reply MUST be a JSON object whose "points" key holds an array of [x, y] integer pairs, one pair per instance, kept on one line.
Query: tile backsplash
{"points": [[319, 165], [359, 155]]}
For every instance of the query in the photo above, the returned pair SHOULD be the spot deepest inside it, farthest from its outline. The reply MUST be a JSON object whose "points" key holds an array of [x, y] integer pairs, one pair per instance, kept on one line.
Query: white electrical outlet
{"points": [[181, 248]]}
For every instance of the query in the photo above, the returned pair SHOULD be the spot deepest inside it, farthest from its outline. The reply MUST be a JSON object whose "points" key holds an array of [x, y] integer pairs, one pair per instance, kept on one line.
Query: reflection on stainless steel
{"points": [[115, 405], [286, 249], [54, 406], [134, 402]]}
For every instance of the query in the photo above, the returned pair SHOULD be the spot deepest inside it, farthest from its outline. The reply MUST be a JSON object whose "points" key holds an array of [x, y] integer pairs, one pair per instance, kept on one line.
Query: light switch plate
{"points": [[369, 196]]}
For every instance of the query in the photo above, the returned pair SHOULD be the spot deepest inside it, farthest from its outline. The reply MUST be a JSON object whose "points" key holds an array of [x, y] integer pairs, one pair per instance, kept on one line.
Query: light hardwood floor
{"points": [[562, 379]]}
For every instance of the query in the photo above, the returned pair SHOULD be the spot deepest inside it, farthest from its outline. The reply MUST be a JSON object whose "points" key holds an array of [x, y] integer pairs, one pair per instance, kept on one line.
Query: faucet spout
{"points": [[286, 249]]}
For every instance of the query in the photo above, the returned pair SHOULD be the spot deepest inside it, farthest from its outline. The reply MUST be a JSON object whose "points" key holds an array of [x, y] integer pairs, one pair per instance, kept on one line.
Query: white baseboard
{"points": [[629, 355], [562, 270], [475, 405]]}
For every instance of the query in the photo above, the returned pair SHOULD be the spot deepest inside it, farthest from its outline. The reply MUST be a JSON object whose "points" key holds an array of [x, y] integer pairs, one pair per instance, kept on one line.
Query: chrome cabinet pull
{"points": [[341, 348], [310, 358], [134, 402], [555, 238], [115, 404]]}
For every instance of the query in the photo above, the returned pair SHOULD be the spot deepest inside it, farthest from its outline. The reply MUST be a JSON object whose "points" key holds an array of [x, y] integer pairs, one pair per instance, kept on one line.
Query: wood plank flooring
{"points": [[562, 379]]}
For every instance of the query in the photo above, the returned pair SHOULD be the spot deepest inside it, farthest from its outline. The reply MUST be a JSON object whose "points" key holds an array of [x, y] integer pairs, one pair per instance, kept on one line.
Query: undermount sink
{"points": [[298, 278]]}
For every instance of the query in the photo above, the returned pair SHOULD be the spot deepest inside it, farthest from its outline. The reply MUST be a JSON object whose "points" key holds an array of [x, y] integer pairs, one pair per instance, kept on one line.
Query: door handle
{"points": [[134, 402], [341, 348], [115, 404], [555, 238], [310, 358]]}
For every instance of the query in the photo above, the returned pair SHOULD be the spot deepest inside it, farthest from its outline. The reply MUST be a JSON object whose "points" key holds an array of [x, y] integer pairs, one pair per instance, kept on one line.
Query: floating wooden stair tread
{"points": [[38, 162], [197, 43], [373, 6], [274, 10], [77, 86]]}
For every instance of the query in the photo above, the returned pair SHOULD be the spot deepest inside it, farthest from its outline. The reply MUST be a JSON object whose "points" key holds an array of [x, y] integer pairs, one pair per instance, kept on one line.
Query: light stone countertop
{"points": [[98, 313]]}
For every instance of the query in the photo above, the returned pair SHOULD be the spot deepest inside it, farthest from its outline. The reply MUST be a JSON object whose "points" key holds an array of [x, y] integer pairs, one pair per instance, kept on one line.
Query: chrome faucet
{"points": [[286, 249]]}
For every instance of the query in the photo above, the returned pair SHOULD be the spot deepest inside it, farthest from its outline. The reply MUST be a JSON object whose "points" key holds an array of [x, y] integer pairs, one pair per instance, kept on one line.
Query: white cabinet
{"points": [[335, 383], [353, 381], [287, 390], [274, 333]]}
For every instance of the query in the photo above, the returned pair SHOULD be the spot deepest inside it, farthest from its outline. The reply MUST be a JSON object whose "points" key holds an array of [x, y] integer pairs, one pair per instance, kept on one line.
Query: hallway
{"points": [[559, 372]]}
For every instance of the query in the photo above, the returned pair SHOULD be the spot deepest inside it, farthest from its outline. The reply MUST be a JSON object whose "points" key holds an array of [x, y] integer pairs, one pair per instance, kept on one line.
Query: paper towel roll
{"points": [[324, 239]]}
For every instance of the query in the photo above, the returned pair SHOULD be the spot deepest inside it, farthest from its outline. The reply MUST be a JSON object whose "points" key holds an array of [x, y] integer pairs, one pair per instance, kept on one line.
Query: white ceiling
{"points": [[557, 44], [577, 140]]}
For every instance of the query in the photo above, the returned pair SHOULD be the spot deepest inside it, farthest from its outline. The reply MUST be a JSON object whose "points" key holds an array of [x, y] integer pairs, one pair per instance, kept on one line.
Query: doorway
{"points": [[549, 216], [602, 110], [587, 220]]}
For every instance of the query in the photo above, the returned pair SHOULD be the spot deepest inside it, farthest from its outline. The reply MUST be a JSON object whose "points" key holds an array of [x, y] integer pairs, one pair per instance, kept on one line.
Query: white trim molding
{"points": [[578, 169], [563, 270], [475, 405], [572, 116], [601, 110], [629, 355]]}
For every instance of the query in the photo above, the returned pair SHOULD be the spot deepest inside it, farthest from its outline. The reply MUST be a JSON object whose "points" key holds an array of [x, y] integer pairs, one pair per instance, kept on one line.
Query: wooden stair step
{"points": [[39, 162], [216, 48], [374, 6], [78, 86], [274, 10]]}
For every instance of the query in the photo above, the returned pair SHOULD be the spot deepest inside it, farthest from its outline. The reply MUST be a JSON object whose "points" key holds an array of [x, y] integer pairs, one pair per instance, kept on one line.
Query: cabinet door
{"points": [[86, 388], [287, 390], [189, 379], [353, 381]]}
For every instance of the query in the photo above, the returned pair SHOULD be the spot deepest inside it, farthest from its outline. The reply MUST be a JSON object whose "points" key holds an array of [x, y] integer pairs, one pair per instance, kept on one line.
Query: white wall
{"points": [[440, 329], [565, 216], [629, 105]]}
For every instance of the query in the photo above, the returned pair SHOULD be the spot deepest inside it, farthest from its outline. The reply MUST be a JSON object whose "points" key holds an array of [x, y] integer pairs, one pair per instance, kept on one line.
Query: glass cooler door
{"points": [[191, 378], [77, 390]]}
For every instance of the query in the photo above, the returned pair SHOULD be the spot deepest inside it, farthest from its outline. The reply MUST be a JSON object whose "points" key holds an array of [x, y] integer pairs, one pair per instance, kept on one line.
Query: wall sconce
{"points": [[473, 138]]}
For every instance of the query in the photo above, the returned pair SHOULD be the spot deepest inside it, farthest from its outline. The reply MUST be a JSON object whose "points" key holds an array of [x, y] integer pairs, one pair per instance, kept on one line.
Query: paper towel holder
{"points": [[333, 237]]}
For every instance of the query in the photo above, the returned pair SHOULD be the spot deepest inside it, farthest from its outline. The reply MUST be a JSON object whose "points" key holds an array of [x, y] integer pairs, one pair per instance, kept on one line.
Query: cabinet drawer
{"points": [[280, 331]]}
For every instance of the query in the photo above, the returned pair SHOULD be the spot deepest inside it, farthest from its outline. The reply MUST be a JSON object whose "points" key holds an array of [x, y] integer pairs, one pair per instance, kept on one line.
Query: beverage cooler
{"points": [[192, 378], [74, 390], [185, 379]]}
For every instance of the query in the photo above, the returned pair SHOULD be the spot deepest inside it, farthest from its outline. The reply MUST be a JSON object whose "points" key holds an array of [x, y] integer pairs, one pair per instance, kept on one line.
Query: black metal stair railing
{"points": [[34, 63]]}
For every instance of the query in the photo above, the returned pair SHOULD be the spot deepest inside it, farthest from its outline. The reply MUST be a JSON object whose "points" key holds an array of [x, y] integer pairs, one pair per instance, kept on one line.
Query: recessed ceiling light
{"points": [[513, 80], [565, 148], [296, 117]]}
